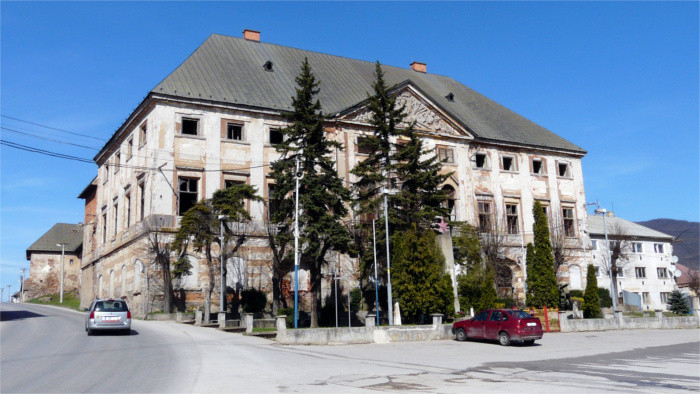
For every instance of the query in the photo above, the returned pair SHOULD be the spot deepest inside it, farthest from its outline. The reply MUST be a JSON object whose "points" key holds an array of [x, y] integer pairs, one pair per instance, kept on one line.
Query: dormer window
{"points": [[450, 97], [267, 66]]}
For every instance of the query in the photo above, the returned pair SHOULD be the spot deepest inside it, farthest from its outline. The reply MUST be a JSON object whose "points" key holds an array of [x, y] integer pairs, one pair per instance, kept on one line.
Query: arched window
{"points": [[450, 203], [123, 278], [99, 286], [138, 271], [111, 284]]}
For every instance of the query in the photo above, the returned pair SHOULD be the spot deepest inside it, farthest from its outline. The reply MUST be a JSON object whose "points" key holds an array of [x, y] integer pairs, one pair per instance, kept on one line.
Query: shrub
{"points": [[355, 299], [604, 297], [576, 293], [507, 302], [591, 303], [253, 300], [476, 289]]}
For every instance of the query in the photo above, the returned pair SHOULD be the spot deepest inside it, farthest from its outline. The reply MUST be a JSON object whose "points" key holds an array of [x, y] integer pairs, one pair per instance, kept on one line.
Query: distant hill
{"points": [[688, 237]]}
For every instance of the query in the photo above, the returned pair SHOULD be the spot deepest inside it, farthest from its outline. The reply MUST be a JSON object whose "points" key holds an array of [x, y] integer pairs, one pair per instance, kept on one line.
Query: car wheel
{"points": [[89, 331], [461, 334], [503, 338], [529, 342]]}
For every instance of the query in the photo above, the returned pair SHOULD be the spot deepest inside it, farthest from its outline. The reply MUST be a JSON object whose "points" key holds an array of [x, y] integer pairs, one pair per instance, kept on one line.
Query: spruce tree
{"points": [[543, 287], [322, 196], [531, 274], [418, 274], [677, 303], [591, 302]]}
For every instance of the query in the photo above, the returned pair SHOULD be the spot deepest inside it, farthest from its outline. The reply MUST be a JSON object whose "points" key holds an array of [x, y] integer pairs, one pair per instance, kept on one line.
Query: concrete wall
{"points": [[355, 335], [627, 323]]}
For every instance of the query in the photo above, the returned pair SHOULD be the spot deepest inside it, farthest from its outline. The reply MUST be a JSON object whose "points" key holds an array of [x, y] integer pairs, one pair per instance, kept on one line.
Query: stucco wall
{"points": [[45, 274]]}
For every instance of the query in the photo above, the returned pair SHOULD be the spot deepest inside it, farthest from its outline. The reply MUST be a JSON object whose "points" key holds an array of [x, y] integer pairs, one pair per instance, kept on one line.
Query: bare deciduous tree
{"points": [[160, 251], [618, 253], [494, 246], [561, 250]]}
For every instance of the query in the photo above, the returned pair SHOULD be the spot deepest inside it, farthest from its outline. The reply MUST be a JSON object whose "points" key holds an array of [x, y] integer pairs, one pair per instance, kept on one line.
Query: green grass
{"points": [[263, 329], [70, 300]]}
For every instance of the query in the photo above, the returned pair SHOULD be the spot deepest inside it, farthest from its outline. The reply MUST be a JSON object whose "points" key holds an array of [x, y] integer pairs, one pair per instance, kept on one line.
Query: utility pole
{"points": [[388, 258], [21, 284], [222, 276], [376, 280], [63, 252], [297, 177]]}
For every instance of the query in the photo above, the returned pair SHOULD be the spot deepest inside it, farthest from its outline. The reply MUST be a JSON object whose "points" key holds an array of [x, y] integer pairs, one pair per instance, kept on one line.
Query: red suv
{"points": [[501, 324]]}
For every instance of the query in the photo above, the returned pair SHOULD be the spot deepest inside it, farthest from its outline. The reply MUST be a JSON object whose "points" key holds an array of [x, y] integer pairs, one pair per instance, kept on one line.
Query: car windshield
{"points": [[520, 314], [111, 306]]}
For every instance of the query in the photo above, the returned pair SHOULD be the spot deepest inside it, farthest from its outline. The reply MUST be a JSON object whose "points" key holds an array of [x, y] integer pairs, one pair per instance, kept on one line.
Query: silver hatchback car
{"points": [[108, 315]]}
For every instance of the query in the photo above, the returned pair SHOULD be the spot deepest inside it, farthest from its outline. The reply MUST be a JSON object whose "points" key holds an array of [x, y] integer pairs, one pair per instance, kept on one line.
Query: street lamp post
{"points": [[604, 212], [297, 177], [388, 258], [376, 279], [222, 276], [63, 252]]}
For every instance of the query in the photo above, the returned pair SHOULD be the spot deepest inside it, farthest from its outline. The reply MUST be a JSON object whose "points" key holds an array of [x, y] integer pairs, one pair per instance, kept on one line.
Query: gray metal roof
{"points": [[70, 234], [230, 70], [596, 227]]}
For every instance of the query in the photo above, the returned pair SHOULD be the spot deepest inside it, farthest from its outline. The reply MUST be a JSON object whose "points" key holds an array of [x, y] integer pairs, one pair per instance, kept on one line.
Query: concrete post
{"points": [[563, 322], [281, 324], [620, 319], [437, 321], [221, 319], [198, 317], [369, 321], [248, 323]]}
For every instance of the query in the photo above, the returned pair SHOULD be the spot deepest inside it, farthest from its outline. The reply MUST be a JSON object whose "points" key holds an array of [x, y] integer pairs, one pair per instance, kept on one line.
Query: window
{"points": [[496, 316], [189, 126], [594, 244], [142, 134], [116, 218], [188, 194], [450, 202], [564, 170], [142, 200], [484, 216], [568, 216], [597, 271], [480, 161], [620, 272], [664, 297], [645, 297], [127, 206], [70, 262], [658, 248], [512, 218], [230, 182], [538, 167], [276, 137], [363, 146], [272, 202], [640, 272], [234, 132], [662, 273], [117, 157], [446, 155], [481, 316], [508, 163], [104, 225], [636, 247], [129, 148]]}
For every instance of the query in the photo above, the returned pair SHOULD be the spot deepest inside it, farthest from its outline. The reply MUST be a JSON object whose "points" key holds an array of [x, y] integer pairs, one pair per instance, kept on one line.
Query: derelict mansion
{"points": [[215, 119]]}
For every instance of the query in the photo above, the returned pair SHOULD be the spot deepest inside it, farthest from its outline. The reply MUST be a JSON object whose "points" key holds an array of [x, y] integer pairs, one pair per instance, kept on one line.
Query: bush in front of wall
{"points": [[591, 303]]}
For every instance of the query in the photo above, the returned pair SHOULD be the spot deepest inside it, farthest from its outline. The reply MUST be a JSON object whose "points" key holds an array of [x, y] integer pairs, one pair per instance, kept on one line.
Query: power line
{"points": [[53, 128], [44, 152], [46, 138]]}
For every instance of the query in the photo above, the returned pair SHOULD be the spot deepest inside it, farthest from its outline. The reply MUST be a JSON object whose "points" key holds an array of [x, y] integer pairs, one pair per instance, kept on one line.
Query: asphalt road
{"points": [[45, 349]]}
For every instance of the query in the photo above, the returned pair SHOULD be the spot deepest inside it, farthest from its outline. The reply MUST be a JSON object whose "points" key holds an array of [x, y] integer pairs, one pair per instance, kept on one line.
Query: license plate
{"points": [[110, 319], [531, 324]]}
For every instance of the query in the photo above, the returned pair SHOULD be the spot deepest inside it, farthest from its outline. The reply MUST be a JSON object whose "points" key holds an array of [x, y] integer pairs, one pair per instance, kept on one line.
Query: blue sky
{"points": [[618, 79]]}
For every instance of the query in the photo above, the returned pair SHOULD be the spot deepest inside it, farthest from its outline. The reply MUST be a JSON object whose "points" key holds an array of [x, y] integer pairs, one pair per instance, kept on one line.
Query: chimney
{"points": [[251, 35], [420, 67]]}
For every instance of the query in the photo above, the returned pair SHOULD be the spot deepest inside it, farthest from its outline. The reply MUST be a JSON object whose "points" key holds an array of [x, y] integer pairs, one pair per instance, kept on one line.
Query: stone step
{"points": [[234, 329], [187, 322], [264, 334], [211, 325]]}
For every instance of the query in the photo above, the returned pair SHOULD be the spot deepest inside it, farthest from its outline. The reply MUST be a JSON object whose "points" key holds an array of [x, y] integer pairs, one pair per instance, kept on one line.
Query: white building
{"points": [[646, 270]]}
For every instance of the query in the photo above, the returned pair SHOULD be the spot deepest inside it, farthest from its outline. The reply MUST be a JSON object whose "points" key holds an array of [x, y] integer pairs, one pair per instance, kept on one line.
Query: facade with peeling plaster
{"points": [[214, 121]]}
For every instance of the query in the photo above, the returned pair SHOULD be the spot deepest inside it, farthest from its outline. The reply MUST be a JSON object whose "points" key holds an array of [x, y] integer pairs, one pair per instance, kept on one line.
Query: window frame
{"points": [[225, 131], [637, 247], [189, 179], [359, 146], [642, 270], [658, 248], [129, 148], [188, 118], [660, 270], [449, 158], [117, 160], [543, 166], [565, 219], [486, 165], [481, 226], [568, 173], [514, 163], [127, 206], [143, 133], [509, 216], [274, 130]]}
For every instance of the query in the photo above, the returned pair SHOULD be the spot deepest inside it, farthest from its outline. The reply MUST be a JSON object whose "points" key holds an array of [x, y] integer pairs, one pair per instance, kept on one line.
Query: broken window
{"points": [[129, 148], [104, 225], [564, 170], [276, 137], [450, 202], [127, 206], [658, 248], [234, 132], [116, 218], [480, 160], [117, 157], [272, 201], [640, 272], [189, 126], [484, 216], [188, 194], [446, 155], [537, 167], [142, 134], [662, 273], [512, 218], [568, 216], [508, 163], [363, 146], [142, 200], [230, 182]]}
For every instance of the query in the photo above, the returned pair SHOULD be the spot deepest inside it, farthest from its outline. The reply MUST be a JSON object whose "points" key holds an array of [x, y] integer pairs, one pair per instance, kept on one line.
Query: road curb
{"points": [[53, 306]]}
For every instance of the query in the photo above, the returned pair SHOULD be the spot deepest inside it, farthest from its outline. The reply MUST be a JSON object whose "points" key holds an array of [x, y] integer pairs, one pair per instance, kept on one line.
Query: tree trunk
{"points": [[275, 292], [315, 295], [207, 304], [167, 286]]}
